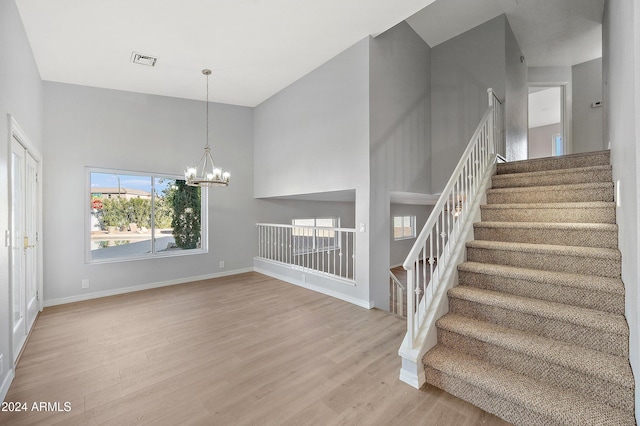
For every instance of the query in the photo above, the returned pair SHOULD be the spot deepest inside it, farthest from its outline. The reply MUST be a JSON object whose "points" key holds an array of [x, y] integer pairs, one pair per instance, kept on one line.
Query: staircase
{"points": [[536, 332]]}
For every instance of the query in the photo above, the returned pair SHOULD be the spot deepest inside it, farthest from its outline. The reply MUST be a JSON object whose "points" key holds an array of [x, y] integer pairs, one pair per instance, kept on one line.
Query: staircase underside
{"points": [[536, 332]]}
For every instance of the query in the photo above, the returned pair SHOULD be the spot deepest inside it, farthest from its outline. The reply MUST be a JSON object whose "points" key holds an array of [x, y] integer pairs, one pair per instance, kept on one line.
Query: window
{"points": [[131, 215], [557, 145], [307, 237], [404, 227]]}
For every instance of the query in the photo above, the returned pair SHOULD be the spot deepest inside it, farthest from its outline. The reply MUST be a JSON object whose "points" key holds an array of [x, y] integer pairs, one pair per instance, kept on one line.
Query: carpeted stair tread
{"points": [[553, 177], [570, 161], [586, 227], [609, 368], [577, 289], [551, 249], [592, 191], [588, 282], [574, 234], [582, 212], [584, 317], [559, 406]]}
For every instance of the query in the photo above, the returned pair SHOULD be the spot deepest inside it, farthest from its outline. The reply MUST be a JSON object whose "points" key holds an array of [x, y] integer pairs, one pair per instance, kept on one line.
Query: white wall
{"points": [[462, 70], [21, 96], [400, 137], [621, 89], [587, 121], [313, 136], [121, 130]]}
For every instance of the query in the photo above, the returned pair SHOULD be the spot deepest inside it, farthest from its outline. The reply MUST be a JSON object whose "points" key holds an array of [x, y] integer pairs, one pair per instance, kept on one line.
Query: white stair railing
{"points": [[429, 263], [323, 250]]}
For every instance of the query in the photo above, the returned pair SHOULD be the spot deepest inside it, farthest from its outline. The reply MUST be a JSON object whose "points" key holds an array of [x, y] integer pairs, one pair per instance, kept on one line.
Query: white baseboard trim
{"points": [[123, 290], [415, 379], [4, 389], [358, 302]]}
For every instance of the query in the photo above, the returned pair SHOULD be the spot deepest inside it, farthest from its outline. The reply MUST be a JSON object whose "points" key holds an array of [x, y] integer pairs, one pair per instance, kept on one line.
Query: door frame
{"points": [[15, 131]]}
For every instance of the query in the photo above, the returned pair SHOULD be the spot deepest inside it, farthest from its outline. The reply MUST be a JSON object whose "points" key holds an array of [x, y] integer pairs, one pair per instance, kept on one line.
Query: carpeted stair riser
{"points": [[601, 158], [612, 343], [553, 177], [514, 397], [507, 410], [577, 260], [540, 369], [605, 294], [552, 194], [581, 235], [597, 212]]}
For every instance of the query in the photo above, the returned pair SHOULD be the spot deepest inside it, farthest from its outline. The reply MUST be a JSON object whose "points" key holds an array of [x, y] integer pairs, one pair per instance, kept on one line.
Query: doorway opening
{"points": [[546, 136]]}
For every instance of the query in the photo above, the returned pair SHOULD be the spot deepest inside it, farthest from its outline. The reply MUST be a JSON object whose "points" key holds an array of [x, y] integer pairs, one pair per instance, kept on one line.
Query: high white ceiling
{"points": [[257, 47], [550, 32], [254, 47]]}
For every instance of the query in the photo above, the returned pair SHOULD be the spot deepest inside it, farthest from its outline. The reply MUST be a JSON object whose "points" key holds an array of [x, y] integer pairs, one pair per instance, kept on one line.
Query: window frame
{"points": [[204, 218], [412, 226]]}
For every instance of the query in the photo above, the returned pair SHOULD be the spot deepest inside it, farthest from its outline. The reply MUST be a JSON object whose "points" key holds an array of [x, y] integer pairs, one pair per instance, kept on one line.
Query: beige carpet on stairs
{"points": [[536, 332]]}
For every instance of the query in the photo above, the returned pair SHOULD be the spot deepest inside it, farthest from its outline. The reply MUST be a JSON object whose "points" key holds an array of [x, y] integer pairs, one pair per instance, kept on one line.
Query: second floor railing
{"points": [[318, 249]]}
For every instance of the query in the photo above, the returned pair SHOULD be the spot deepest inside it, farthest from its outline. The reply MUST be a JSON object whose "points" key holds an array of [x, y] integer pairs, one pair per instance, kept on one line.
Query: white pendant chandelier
{"points": [[206, 173]]}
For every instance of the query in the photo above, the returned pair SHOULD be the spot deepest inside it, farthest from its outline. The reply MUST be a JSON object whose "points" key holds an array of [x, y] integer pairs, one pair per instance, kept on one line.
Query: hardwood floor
{"points": [[239, 350]]}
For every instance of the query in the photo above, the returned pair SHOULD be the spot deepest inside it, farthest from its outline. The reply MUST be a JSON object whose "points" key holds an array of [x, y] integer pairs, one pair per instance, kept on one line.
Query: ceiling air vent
{"points": [[139, 58]]}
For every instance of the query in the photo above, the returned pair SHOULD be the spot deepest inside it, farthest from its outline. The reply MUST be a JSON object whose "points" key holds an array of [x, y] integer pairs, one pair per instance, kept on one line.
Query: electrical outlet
{"points": [[618, 200], [85, 283], [222, 263]]}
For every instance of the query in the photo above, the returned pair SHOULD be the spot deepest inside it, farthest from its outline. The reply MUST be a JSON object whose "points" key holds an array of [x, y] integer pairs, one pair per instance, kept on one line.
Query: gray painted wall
{"points": [[121, 130], [540, 140], [516, 107], [283, 211], [400, 137], [621, 82], [587, 121], [313, 136], [21, 96], [462, 70]]}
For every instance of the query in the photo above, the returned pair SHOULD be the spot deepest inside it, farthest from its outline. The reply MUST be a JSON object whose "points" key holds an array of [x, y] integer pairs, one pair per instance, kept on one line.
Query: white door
{"points": [[24, 267]]}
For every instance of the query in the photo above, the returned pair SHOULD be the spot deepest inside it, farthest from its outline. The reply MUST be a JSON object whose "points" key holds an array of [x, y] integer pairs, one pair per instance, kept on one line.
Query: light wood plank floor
{"points": [[240, 350]]}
